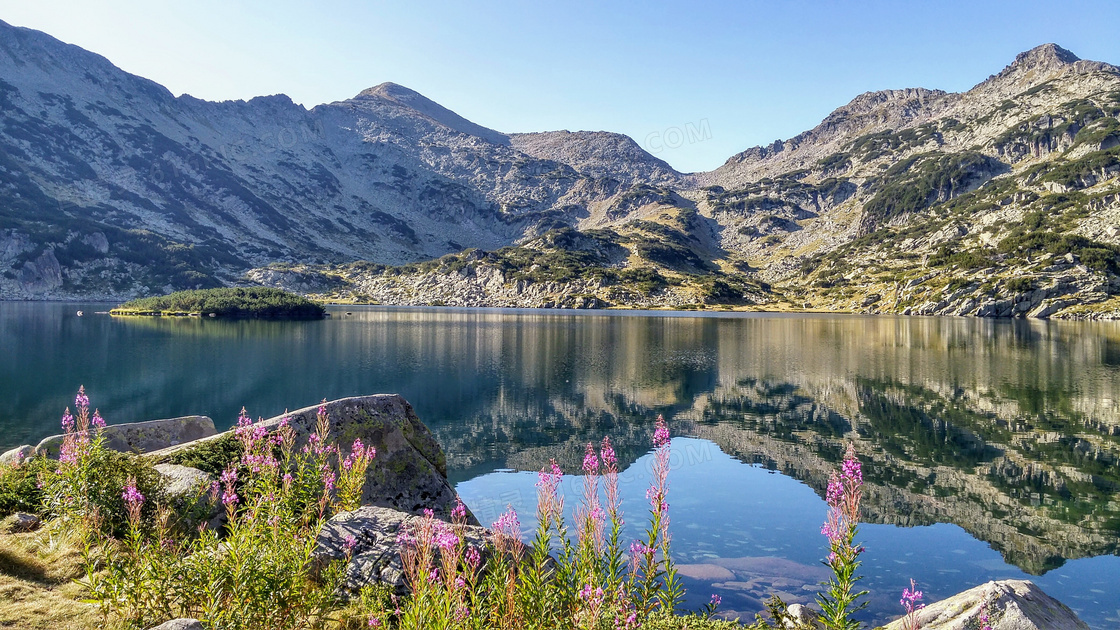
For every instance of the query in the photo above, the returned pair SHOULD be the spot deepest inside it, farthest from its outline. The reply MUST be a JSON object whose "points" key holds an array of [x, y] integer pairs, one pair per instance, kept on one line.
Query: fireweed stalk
{"points": [[910, 598], [657, 583], [69, 490], [838, 601]]}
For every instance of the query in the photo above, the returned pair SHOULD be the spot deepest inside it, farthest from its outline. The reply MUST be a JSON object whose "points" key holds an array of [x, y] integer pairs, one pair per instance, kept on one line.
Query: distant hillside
{"points": [[999, 201]]}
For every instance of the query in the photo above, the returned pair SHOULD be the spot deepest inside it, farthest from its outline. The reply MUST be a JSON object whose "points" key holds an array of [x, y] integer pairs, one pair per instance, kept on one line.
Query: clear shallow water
{"points": [[990, 448]]}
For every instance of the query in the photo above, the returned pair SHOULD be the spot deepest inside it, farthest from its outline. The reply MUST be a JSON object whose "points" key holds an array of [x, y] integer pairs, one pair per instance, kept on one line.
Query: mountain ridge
{"points": [[115, 188]]}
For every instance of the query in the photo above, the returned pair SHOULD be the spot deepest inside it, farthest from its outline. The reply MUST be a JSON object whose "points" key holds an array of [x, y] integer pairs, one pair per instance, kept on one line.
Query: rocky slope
{"points": [[112, 186], [999, 201]]}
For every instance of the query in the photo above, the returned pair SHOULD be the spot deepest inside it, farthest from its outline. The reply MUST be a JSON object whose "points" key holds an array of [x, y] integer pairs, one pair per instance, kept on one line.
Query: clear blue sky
{"points": [[750, 72]]}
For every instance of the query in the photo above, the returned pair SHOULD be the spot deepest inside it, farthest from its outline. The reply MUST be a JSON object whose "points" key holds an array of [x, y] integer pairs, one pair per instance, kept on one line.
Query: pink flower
{"points": [[446, 540], [507, 524], [828, 532], [229, 481], [835, 493], [661, 433], [97, 421], [473, 558], [405, 539], [131, 495], [67, 422], [638, 548], [459, 512], [590, 461], [81, 401], [852, 471], [606, 453]]}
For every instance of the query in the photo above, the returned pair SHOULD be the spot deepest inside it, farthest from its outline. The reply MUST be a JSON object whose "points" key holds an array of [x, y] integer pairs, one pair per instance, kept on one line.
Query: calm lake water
{"points": [[990, 448]]}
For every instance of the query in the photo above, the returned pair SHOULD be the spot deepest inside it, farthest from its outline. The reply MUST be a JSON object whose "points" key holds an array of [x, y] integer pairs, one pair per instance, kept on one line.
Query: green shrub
{"points": [[1019, 285], [19, 486], [212, 456], [920, 181]]}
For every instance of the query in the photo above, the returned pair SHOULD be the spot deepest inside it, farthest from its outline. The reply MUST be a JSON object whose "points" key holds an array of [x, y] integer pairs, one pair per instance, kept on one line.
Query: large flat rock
{"points": [[142, 437]]}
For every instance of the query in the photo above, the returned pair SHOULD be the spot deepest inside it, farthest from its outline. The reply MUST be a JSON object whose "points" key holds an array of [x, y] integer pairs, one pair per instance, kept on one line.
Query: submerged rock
{"points": [[1010, 605], [142, 437]]}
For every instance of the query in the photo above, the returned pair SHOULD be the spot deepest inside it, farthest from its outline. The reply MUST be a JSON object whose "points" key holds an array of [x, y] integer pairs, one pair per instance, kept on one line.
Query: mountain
{"points": [[112, 186], [999, 201]]}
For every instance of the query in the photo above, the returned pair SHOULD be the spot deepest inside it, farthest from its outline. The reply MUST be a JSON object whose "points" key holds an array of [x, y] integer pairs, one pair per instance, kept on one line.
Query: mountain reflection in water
{"points": [[1006, 429]]}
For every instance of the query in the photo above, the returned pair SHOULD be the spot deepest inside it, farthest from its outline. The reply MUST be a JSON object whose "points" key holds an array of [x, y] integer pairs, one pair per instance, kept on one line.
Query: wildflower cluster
{"points": [[582, 581], [258, 572]]}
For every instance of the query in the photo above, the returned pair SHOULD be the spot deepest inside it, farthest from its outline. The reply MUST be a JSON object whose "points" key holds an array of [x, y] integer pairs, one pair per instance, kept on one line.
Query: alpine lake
{"points": [[990, 448]]}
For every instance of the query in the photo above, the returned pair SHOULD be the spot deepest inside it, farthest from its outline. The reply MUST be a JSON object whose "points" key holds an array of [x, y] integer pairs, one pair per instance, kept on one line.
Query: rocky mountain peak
{"points": [[1044, 56], [1037, 66], [400, 96]]}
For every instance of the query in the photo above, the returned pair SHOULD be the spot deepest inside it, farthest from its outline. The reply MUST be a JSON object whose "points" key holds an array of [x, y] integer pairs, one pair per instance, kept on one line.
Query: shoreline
{"points": [[616, 309]]}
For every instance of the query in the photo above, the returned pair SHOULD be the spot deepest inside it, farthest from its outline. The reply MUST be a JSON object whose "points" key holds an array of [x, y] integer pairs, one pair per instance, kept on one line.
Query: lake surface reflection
{"points": [[990, 448]]}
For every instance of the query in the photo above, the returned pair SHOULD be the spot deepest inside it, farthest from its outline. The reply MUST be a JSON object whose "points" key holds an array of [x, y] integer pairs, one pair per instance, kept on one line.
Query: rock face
{"points": [[143, 437], [410, 470], [1010, 605], [375, 558]]}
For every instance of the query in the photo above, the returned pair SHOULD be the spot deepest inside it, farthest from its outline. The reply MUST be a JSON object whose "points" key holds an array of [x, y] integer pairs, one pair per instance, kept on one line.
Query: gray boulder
{"points": [[16, 454], [20, 522], [1010, 605], [803, 617], [376, 555], [143, 437], [180, 624], [188, 491], [410, 470]]}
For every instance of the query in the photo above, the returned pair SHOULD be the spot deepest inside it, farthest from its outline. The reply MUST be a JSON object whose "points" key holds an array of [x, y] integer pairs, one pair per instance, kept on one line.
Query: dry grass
{"points": [[37, 587]]}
